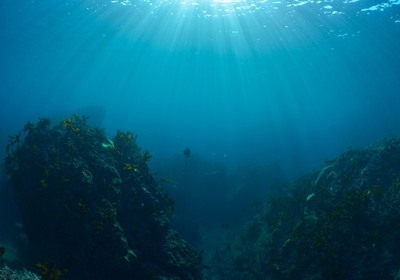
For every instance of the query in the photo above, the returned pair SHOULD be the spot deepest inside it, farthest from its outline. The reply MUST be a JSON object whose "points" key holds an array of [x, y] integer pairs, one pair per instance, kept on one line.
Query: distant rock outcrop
{"points": [[341, 222], [91, 207]]}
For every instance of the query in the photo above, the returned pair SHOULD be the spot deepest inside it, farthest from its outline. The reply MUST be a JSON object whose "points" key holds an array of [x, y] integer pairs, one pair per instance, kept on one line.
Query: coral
{"points": [[93, 199], [340, 222]]}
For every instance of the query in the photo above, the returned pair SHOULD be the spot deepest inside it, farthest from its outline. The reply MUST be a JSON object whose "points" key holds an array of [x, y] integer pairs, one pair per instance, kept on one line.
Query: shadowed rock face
{"points": [[9, 213], [341, 222], [90, 205]]}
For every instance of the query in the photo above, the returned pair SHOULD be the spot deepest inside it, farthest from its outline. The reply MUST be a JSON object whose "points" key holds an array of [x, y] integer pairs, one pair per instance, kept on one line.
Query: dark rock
{"points": [[341, 222], [91, 206]]}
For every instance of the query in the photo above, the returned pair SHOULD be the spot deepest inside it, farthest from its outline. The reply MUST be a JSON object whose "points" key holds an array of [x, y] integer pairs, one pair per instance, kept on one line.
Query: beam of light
{"points": [[240, 26]]}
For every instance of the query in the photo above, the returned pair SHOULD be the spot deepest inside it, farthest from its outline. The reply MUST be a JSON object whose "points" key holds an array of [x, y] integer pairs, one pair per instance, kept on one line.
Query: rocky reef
{"points": [[90, 206], [340, 222], [7, 273]]}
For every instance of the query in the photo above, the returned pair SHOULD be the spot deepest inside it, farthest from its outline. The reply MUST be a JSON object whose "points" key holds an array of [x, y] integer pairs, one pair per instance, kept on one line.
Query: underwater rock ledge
{"points": [[340, 222], [90, 206]]}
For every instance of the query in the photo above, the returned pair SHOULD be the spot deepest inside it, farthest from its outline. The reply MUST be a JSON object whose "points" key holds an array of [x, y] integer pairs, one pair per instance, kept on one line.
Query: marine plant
{"points": [[340, 222], [94, 199], [50, 271]]}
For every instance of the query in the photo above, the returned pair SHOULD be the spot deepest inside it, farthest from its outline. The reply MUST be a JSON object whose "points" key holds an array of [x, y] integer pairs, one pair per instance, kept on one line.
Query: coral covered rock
{"points": [[90, 205], [341, 222]]}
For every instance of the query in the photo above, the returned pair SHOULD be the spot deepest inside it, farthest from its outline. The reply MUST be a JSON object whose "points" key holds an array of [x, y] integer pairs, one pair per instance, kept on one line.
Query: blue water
{"points": [[291, 83]]}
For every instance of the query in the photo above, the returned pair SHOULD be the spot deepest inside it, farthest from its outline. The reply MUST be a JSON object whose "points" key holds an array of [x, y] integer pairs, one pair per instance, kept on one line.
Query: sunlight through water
{"points": [[245, 25]]}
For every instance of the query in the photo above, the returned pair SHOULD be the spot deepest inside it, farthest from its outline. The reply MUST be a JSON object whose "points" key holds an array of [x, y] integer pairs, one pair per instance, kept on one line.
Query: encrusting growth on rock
{"points": [[91, 206]]}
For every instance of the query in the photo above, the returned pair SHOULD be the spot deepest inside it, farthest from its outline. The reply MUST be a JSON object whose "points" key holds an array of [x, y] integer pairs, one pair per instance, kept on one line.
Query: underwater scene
{"points": [[199, 139]]}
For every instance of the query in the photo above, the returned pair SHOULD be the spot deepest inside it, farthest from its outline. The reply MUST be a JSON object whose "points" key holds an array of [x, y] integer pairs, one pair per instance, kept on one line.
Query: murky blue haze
{"points": [[261, 91], [286, 82]]}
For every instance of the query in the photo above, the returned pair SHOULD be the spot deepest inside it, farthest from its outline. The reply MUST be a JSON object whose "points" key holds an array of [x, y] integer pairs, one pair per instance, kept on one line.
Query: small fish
{"points": [[187, 152]]}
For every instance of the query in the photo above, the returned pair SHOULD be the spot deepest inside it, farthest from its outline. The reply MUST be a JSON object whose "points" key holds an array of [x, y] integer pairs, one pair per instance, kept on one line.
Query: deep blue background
{"points": [[290, 83], [260, 91]]}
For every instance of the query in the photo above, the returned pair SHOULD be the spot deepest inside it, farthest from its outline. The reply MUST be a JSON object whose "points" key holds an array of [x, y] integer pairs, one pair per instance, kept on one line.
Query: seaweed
{"points": [[90, 204], [341, 222]]}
